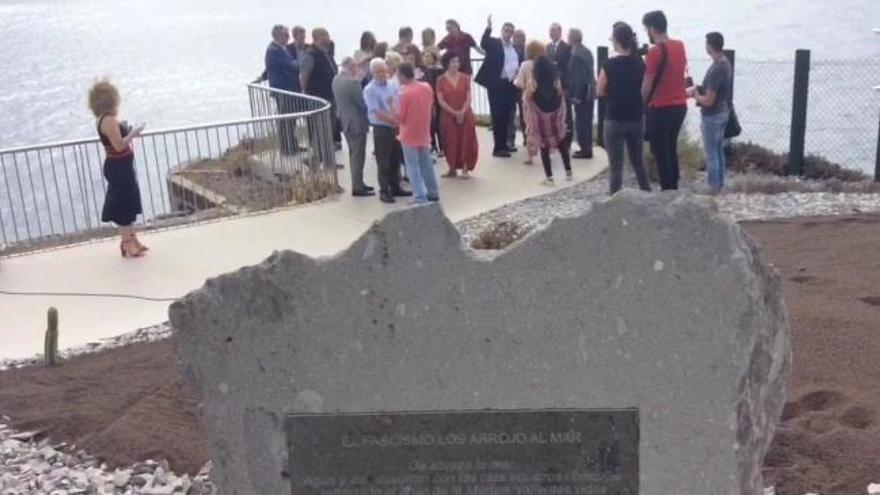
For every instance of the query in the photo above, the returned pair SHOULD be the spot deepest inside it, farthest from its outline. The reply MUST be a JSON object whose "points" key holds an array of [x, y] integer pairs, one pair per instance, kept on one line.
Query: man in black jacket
{"points": [[496, 75], [560, 53], [581, 86], [317, 70]]}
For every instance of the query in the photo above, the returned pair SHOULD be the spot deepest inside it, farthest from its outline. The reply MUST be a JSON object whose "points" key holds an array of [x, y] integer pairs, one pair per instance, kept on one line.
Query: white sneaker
{"points": [[569, 176], [548, 182]]}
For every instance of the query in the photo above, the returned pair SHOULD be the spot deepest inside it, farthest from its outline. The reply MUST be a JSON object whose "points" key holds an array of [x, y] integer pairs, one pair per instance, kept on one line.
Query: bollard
{"points": [[799, 113], [601, 58]]}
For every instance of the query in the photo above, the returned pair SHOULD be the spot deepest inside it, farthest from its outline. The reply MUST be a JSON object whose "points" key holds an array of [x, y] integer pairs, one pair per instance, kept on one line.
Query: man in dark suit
{"points": [[317, 70], [282, 71], [582, 92], [496, 75], [560, 53], [519, 43]]}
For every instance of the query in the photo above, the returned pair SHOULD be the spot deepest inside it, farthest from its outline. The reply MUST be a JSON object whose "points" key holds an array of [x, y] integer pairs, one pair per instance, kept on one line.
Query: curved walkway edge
{"points": [[182, 259]]}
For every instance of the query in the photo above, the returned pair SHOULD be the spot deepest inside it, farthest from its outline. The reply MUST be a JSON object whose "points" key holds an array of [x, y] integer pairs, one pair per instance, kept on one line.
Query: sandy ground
{"points": [[129, 404], [829, 440]]}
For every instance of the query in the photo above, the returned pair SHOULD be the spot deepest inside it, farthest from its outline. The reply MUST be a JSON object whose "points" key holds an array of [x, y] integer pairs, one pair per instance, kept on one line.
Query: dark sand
{"points": [[130, 404]]}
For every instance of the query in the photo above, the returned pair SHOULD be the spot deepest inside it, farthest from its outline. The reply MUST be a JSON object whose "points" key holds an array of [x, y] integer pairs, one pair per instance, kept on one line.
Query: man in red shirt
{"points": [[459, 43], [664, 90], [414, 123]]}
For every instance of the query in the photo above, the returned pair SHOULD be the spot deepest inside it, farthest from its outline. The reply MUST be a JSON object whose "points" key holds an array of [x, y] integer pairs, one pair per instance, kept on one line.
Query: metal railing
{"points": [[52, 194]]}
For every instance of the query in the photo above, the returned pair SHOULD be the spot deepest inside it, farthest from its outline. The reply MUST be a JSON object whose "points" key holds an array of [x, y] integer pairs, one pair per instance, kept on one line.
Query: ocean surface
{"points": [[183, 62]]}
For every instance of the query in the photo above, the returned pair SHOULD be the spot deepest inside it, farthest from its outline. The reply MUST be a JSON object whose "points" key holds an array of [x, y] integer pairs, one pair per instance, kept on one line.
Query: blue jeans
{"points": [[712, 128], [420, 169]]}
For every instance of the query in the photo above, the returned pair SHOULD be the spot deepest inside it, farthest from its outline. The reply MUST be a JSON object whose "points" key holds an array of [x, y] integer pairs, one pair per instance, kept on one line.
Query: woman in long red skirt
{"points": [[457, 126]]}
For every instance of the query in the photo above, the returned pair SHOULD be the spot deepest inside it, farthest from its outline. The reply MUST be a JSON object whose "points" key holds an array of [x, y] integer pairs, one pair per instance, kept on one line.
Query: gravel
{"points": [[537, 212], [33, 466]]}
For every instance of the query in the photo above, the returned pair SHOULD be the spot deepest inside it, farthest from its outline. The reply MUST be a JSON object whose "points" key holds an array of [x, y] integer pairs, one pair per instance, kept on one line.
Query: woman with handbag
{"points": [[714, 100]]}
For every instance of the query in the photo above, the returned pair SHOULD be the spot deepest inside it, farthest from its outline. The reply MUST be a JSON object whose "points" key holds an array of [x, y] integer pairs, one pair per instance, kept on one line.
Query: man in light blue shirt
{"points": [[382, 99]]}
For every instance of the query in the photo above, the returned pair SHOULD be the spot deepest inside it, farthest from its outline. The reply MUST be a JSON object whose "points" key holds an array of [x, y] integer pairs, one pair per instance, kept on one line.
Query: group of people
{"points": [[418, 100], [552, 87]]}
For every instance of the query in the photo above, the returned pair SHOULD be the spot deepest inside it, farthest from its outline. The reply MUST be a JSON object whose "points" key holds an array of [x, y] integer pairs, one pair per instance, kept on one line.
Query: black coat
{"points": [[560, 59], [490, 72]]}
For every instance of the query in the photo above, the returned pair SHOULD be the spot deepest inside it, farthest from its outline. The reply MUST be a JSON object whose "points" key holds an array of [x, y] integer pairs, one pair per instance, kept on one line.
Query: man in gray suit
{"points": [[581, 88], [352, 112]]}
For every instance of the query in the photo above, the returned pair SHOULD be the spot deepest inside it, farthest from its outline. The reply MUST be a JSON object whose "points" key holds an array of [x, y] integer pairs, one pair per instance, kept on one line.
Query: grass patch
{"points": [[752, 158], [762, 183], [500, 235]]}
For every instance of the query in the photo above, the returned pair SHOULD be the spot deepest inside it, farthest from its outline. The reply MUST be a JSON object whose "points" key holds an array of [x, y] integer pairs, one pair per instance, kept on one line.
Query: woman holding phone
{"points": [[122, 203]]}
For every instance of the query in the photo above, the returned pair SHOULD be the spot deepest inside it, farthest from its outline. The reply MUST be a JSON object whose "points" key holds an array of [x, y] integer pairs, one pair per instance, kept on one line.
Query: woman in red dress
{"points": [[457, 126]]}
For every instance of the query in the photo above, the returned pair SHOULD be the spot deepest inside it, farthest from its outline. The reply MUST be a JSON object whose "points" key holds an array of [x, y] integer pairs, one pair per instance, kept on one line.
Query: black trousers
{"points": [[502, 98], [663, 126], [320, 139], [583, 115], [564, 152], [389, 157], [436, 139], [569, 120], [286, 127]]}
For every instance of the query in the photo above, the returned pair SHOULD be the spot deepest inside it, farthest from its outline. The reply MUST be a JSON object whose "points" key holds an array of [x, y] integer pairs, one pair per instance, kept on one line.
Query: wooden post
{"points": [[799, 113], [601, 58]]}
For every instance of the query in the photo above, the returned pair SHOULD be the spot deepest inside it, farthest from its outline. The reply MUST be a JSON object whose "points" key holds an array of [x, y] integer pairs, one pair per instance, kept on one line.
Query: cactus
{"points": [[51, 345]]}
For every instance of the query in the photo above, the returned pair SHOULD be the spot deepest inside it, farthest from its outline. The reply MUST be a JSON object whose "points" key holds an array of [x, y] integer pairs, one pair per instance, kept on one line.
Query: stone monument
{"points": [[652, 303]]}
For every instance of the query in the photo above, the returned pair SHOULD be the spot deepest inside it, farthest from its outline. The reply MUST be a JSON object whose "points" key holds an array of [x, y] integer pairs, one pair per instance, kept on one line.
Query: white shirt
{"points": [[511, 62]]}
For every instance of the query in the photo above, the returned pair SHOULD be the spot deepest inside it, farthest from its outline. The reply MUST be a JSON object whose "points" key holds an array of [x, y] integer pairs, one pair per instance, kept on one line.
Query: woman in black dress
{"points": [[122, 204]]}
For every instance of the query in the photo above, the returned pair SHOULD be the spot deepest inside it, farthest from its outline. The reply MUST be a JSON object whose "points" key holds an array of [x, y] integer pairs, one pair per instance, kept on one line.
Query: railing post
{"points": [[877, 162], [799, 113], [601, 58], [731, 56]]}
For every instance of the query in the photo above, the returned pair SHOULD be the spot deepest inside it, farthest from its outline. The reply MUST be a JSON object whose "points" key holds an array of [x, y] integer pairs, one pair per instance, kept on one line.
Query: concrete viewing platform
{"points": [[181, 259]]}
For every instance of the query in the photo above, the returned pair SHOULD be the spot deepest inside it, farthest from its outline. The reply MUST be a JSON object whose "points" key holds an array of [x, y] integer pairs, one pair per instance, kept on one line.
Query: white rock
{"points": [[160, 477], [874, 489], [121, 477]]}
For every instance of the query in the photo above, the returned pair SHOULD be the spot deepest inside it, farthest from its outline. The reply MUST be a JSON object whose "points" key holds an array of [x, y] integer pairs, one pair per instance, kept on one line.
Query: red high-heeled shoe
{"points": [[129, 249]]}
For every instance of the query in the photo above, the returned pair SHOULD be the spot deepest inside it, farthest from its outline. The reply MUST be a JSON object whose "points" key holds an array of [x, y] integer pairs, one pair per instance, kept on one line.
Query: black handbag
{"points": [[661, 69], [733, 129]]}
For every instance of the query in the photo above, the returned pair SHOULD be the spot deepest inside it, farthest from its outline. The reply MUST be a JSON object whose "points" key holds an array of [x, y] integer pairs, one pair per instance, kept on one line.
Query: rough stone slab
{"points": [[650, 301]]}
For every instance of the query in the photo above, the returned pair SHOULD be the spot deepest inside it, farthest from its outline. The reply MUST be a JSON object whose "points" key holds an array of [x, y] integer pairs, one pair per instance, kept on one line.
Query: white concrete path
{"points": [[182, 259]]}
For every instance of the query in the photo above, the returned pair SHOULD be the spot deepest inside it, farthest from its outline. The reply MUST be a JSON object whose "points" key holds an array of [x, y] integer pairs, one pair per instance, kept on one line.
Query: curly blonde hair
{"points": [[535, 49], [393, 60], [104, 98]]}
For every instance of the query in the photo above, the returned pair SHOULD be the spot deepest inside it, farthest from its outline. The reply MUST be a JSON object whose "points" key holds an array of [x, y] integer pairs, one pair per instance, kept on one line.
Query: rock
{"points": [[160, 477], [141, 480], [574, 316], [25, 436], [205, 471], [874, 489], [199, 488], [121, 477]]}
